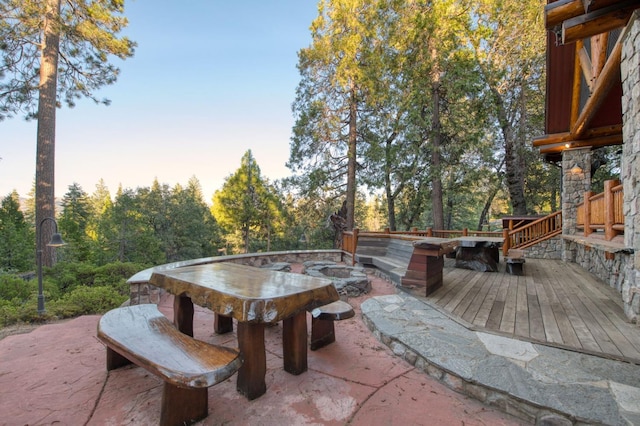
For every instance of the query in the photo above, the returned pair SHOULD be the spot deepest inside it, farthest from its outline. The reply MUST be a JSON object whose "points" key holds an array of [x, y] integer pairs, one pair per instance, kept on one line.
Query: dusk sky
{"points": [[210, 79]]}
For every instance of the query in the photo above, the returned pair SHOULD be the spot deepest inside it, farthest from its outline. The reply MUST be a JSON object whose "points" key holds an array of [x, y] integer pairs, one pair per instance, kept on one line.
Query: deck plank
{"points": [[522, 308], [609, 338], [536, 325], [575, 332], [554, 303], [551, 330], [482, 316], [508, 322], [452, 305], [483, 285]]}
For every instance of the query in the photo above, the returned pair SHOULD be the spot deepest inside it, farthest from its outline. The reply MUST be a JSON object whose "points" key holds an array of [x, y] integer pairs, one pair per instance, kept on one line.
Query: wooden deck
{"points": [[553, 303]]}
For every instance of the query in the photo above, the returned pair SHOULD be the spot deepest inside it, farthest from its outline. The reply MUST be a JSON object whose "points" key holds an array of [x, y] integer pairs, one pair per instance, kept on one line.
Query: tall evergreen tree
{"points": [[246, 206], [16, 237], [509, 46], [74, 221], [53, 51], [333, 87]]}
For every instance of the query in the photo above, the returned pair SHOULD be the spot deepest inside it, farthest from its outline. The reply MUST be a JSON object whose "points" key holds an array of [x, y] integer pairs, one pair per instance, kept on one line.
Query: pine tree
{"points": [[53, 52]]}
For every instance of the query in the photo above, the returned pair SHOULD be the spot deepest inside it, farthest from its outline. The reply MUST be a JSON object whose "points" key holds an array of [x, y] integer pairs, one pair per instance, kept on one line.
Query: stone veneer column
{"points": [[630, 174], [576, 180]]}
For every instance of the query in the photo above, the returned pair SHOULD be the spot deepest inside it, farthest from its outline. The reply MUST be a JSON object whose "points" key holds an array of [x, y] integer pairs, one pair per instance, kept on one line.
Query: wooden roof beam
{"points": [[599, 21], [565, 138], [583, 143], [558, 11], [610, 74]]}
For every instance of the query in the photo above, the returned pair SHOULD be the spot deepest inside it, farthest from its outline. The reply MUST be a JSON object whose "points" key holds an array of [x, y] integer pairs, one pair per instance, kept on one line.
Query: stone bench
{"points": [[142, 335], [322, 319]]}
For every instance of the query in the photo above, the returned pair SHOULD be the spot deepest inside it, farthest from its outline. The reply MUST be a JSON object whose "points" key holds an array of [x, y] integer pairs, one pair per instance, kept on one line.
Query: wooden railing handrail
{"points": [[350, 238], [603, 211], [532, 233]]}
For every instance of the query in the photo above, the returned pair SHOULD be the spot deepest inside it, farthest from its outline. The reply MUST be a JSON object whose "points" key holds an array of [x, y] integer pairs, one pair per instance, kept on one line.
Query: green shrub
{"points": [[69, 275], [14, 287], [87, 300], [8, 313], [70, 289], [116, 275], [13, 312]]}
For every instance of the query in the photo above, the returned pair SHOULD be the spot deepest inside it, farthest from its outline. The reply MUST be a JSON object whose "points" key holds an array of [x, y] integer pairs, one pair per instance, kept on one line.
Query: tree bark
{"points": [[46, 133], [351, 159], [515, 175], [436, 140], [514, 165]]}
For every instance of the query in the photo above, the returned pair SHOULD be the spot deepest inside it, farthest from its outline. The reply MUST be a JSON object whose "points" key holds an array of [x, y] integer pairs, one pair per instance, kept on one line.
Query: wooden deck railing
{"points": [[602, 212], [598, 212], [532, 233], [350, 238]]}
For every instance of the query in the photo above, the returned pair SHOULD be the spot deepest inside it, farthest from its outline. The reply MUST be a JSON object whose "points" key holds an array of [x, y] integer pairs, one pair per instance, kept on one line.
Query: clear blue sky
{"points": [[210, 79]]}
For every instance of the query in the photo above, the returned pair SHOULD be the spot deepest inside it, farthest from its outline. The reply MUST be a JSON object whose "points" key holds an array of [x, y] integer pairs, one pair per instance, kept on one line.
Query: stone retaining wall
{"points": [[143, 292], [549, 249], [630, 170]]}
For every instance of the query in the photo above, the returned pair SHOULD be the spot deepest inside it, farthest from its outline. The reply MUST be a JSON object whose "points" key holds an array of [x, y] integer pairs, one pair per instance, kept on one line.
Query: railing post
{"points": [[354, 243], [465, 232], [609, 219], [507, 242], [587, 213], [387, 230], [429, 232]]}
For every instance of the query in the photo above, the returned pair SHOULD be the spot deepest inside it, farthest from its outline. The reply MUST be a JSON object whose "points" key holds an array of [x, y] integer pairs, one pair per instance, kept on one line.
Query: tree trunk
{"points": [[513, 160], [391, 197], [487, 206], [46, 133], [351, 158], [436, 179], [515, 175], [391, 207]]}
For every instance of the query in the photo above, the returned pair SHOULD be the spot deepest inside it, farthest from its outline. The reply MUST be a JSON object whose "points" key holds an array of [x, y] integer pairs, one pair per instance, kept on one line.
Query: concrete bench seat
{"points": [[142, 335]]}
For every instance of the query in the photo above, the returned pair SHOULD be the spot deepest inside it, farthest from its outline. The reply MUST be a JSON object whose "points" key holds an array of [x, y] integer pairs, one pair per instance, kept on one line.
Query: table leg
{"points": [[294, 343], [222, 324], [251, 375], [183, 314], [495, 254]]}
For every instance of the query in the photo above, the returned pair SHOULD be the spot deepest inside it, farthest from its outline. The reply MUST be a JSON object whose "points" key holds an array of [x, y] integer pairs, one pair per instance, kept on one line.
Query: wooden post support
{"points": [[354, 248], [587, 213], [609, 219], [506, 245]]}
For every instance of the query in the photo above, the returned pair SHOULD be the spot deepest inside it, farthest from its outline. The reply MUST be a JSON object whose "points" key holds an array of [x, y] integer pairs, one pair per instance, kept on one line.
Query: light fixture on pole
{"points": [[303, 240], [56, 241]]}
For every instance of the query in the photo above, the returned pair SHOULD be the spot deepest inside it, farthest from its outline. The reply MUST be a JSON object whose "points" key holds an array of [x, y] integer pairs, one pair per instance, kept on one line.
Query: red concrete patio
{"points": [[56, 374]]}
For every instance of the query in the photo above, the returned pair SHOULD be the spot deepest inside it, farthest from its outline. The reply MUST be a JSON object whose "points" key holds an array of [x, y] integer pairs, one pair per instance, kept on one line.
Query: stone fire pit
{"points": [[350, 281]]}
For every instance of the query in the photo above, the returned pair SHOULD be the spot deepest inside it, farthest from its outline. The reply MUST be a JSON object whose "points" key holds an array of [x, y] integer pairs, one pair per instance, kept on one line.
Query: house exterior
{"points": [[593, 100]]}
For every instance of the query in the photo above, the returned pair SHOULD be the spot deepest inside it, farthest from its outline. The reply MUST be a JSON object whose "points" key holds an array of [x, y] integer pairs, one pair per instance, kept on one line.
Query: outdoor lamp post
{"points": [[56, 241], [303, 240]]}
